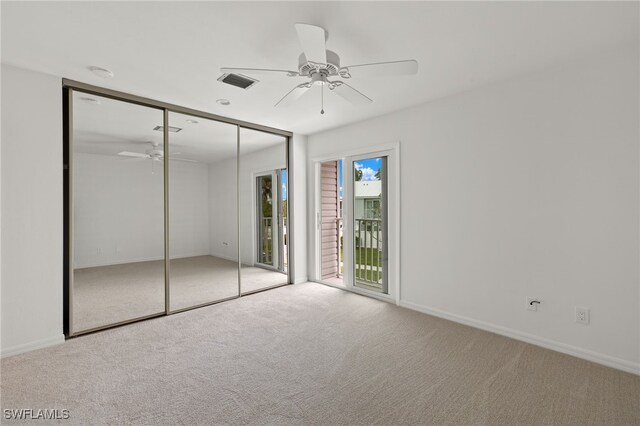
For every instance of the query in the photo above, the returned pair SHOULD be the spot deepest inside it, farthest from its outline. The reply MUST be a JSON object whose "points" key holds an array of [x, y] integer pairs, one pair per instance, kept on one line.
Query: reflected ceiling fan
{"points": [[319, 64], [156, 153]]}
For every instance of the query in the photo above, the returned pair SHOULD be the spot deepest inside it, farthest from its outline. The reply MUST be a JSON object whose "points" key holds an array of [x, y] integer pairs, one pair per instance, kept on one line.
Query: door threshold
{"points": [[334, 282]]}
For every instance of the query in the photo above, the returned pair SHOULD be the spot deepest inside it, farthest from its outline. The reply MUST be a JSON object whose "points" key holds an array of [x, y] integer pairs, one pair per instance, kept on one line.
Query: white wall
{"points": [[31, 293], [202, 216], [298, 187], [223, 205], [31, 296], [528, 187], [119, 210], [189, 209]]}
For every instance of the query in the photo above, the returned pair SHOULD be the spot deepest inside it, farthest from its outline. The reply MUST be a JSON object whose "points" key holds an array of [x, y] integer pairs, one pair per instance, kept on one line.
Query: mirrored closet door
{"points": [[263, 184], [117, 260], [166, 208], [203, 211]]}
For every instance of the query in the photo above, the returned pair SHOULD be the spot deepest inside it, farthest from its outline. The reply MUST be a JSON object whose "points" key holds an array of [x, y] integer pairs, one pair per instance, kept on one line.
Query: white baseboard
{"points": [[224, 257], [301, 280], [138, 260], [31, 346], [609, 361]]}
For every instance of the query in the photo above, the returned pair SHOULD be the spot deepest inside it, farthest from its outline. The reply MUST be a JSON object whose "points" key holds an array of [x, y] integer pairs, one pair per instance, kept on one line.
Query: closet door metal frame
{"points": [[71, 86]]}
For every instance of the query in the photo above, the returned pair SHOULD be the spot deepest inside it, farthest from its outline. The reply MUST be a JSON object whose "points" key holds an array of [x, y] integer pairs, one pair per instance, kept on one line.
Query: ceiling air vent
{"points": [[171, 129], [237, 80]]}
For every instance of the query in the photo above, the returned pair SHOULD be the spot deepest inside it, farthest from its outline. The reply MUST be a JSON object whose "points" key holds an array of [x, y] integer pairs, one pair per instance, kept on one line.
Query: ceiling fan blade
{"points": [[380, 69], [183, 159], [152, 143], [312, 39], [134, 154], [294, 94], [349, 93], [258, 71]]}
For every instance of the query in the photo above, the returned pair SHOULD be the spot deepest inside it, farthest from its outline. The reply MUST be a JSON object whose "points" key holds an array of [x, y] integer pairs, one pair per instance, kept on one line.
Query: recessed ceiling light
{"points": [[91, 100], [224, 102], [171, 129], [192, 121], [101, 72]]}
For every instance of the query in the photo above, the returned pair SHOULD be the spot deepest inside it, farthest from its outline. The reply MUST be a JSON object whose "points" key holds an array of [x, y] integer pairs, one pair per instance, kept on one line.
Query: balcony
{"points": [[368, 266], [368, 263]]}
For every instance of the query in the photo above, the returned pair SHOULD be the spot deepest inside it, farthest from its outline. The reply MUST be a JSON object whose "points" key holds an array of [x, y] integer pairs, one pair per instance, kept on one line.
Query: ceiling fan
{"points": [[319, 64], [156, 153]]}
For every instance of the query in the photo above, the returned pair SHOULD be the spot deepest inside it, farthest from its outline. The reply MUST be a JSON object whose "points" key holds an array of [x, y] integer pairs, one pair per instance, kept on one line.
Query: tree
{"points": [[266, 196], [378, 174], [358, 175]]}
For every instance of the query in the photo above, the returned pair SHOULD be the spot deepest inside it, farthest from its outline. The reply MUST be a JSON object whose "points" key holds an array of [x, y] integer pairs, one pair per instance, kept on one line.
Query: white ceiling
{"points": [[172, 51], [110, 127]]}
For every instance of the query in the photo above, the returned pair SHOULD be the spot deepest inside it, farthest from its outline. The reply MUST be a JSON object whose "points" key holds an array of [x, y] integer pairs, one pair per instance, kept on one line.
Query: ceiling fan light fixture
{"points": [[319, 78]]}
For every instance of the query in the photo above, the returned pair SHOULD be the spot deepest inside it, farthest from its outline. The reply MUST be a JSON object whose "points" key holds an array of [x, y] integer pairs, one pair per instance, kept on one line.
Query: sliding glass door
{"points": [[271, 213], [357, 222], [369, 225]]}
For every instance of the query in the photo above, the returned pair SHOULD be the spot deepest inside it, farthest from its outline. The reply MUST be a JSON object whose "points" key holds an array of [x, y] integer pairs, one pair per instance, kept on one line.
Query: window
{"points": [[372, 208]]}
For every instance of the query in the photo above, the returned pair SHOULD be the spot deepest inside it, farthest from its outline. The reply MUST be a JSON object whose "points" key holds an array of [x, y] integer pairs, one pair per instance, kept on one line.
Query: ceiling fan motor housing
{"points": [[332, 67]]}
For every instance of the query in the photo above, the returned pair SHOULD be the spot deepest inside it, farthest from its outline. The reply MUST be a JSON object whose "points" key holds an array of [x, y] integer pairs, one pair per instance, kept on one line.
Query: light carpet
{"points": [[110, 294], [314, 355]]}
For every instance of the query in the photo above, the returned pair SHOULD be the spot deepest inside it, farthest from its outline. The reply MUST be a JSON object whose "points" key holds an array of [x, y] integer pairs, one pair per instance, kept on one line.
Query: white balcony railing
{"points": [[266, 241], [368, 252], [266, 250]]}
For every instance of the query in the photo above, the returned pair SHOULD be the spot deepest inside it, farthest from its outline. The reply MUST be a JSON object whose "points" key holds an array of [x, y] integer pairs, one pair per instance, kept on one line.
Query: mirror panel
{"points": [[118, 213], [225, 201], [263, 181], [203, 225]]}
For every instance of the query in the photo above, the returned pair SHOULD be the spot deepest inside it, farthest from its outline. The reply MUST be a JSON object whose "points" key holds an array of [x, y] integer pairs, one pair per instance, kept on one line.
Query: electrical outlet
{"points": [[582, 315], [532, 304]]}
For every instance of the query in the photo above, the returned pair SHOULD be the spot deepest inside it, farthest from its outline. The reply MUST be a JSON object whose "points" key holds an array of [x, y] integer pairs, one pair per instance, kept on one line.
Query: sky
{"points": [[369, 168], [284, 184]]}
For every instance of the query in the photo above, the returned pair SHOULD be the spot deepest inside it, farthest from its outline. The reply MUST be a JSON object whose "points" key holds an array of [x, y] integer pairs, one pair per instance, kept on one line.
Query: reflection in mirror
{"points": [[263, 210], [118, 219], [203, 225]]}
